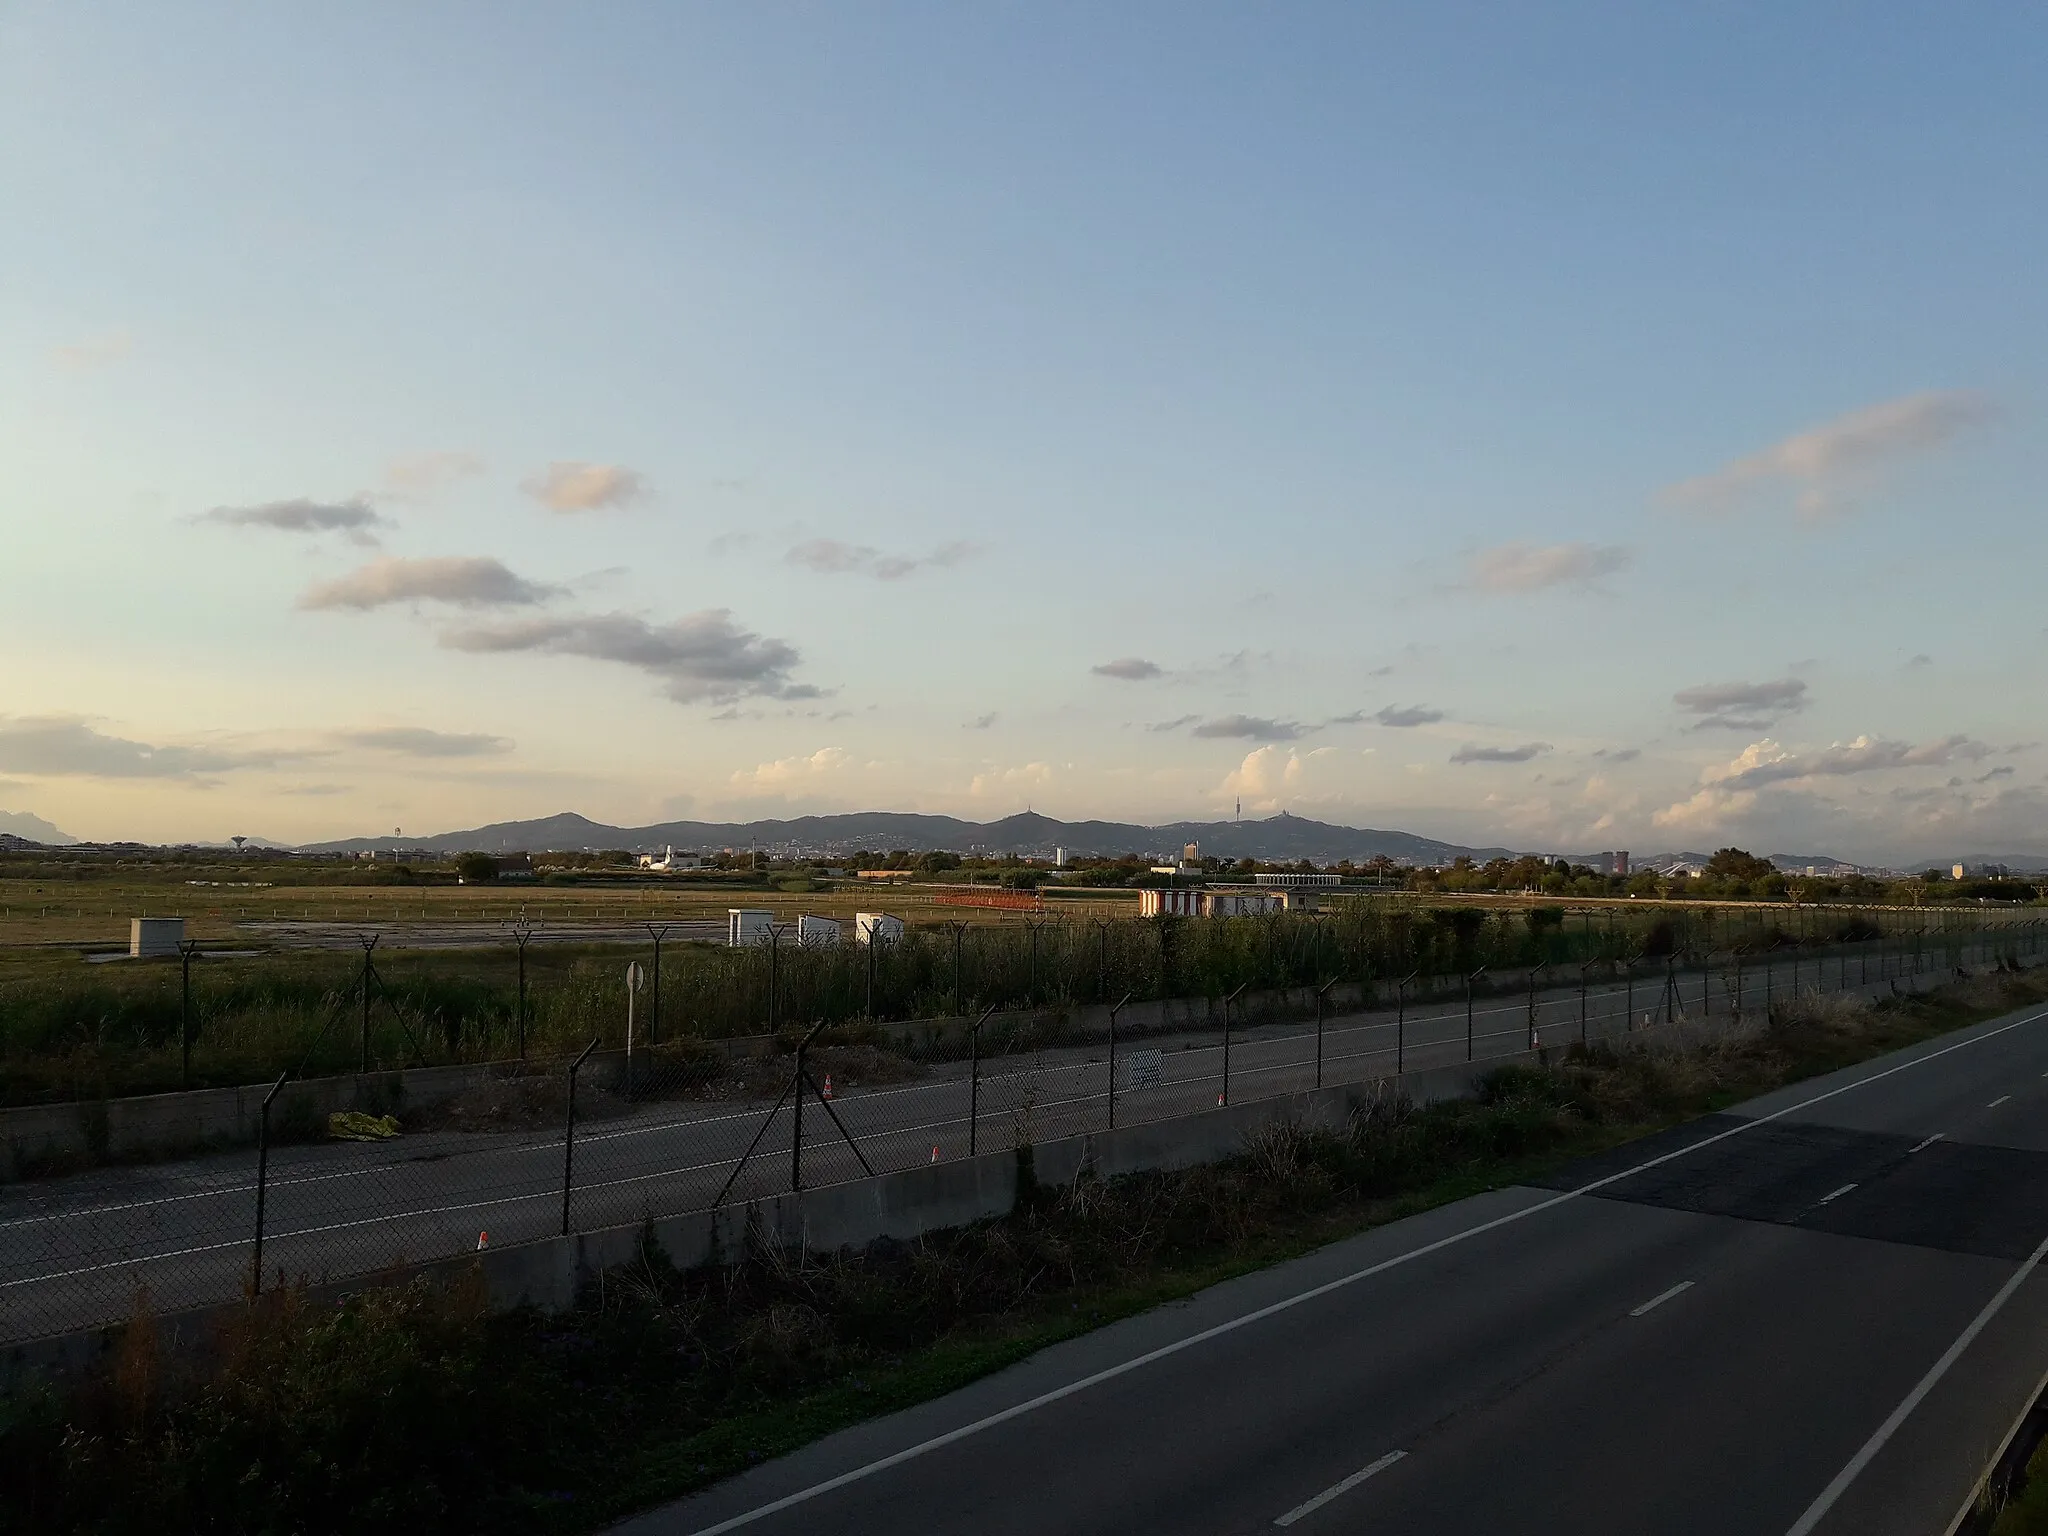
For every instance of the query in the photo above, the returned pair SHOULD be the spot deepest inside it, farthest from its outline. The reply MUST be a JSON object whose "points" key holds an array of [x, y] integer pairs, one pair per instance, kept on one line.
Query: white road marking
{"points": [[1930, 1141], [1998, 1101], [1662, 1297], [1834, 1194], [1316, 1292], [1335, 1489], [1817, 1510]]}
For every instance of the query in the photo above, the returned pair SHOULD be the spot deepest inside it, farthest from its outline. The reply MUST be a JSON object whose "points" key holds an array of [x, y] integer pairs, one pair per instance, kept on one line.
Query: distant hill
{"points": [[1274, 838], [33, 829]]}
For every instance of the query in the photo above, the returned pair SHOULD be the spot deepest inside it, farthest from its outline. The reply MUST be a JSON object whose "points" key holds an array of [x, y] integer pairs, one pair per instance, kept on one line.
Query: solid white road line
{"points": [[1660, 1298], [1313, 1293], [1335, 1489], [1834, 1194], [1930, 1141], [2002, 1098], [1818, 1509]]}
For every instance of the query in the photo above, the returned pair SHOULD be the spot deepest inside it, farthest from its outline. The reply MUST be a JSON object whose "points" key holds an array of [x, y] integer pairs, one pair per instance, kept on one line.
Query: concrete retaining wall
{"points": [[902, 1206]]}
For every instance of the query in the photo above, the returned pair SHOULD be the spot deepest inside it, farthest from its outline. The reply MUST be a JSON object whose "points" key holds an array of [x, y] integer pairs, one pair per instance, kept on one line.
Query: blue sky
{"points": [[1573, 428]]}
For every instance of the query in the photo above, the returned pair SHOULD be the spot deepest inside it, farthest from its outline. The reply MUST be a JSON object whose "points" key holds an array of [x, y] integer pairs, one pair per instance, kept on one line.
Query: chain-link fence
{"points": [[660, 1125]]}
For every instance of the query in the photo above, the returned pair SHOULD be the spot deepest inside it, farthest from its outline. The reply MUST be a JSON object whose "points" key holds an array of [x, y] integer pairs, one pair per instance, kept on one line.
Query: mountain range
{"points": [[1276, 837]]}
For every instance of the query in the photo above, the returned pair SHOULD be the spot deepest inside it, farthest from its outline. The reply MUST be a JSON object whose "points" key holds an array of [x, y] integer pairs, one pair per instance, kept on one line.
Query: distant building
{"points": [[1297, 879], [1958, 872], [1059, 858]]}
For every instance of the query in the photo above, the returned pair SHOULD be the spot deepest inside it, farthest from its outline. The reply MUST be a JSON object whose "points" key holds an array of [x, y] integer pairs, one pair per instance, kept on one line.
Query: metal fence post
{"points": [[658, 933], [633, 977], [1113, 1012], [1401, 1022], [569, 1133], [262, 1182], [1322, 997], [1468, 1010], [521, 935], [974, 1081], [368, 944], [1584, 966], [1224, 1096], [188, 950]]}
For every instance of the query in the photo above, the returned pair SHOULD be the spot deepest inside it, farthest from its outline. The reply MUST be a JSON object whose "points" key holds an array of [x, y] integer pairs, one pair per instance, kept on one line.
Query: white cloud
{"points": [[466, 581], [1822, 464], [788, 772], [1265, 777], [1532, 567], [1007, 781], [571, 485], [1730, 790], [831, 557]]}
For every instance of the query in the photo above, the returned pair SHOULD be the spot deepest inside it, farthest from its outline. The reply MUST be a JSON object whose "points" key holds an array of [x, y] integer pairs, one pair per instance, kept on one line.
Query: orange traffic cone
{"points": [[826, 1091], [935, 1154], [483, 1241]]}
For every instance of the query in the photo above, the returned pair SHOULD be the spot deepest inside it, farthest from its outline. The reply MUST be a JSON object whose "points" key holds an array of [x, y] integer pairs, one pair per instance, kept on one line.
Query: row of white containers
{"points": [[746, 926]]}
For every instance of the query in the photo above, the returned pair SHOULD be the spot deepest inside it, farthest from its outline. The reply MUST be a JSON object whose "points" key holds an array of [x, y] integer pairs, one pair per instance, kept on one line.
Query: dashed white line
{"points": [[1336, 1489], [2002, 1098], [1833, 1194], [1930, 1141], [1659, 1299]]}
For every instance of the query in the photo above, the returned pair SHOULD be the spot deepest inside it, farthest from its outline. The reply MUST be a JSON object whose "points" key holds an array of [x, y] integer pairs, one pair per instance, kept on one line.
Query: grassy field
{"points": [[288, 995], [411, 1408]]}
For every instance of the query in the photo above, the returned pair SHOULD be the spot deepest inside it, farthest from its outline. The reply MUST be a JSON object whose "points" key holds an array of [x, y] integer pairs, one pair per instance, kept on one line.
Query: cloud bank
{"points": [[1742, 706], [700, 657]]}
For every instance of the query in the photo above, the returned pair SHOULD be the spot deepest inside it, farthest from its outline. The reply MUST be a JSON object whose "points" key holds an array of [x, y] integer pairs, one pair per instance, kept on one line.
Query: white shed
{"points": [[817, 932], [747, 926], [871, 926], [155, 935]]}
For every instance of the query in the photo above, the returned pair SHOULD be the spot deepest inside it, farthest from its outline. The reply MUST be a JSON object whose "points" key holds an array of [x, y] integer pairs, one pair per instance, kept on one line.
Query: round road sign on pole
{"points": [[633, 975]]}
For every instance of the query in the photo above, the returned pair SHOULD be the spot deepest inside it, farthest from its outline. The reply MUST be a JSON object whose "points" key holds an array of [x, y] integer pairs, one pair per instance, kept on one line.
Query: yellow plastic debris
{"points": [[354, 1125]]}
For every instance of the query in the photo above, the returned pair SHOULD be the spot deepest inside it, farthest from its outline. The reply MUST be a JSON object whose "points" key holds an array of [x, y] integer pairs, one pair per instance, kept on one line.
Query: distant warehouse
{"points": [[1186, 903]]}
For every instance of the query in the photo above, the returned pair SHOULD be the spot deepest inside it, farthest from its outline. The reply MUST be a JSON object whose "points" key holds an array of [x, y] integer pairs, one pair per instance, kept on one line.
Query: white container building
{"points": [[149, 936], [817, 932], [748, 926], [868, 927]]}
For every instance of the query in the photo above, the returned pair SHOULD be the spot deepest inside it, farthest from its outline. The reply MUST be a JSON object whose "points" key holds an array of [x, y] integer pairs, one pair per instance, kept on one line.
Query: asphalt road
{"points": [[1817, 1312], [75, 1251]]}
